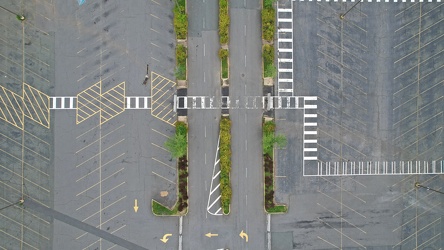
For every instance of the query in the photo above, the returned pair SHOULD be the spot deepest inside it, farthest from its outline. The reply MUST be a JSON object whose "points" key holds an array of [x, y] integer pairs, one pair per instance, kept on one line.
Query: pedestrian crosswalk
{"points": [[138, 102], [310, 133], [377, 168], [285, 51], [63, 102]]}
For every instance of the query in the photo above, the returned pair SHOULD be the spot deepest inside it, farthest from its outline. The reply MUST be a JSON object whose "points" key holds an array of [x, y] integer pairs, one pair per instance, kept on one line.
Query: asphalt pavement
{"points": [[107, 160]]}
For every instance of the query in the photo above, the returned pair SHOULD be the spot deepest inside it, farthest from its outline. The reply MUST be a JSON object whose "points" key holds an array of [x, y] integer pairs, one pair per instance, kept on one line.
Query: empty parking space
{"points": [[379, 86]]}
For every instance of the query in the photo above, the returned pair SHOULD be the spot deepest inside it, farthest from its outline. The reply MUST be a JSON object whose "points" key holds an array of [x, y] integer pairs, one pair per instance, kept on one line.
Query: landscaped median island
{"points": [[268, 141], [224, 21], [225, 163], [268, 16], [181, 62], [180, 19], [178, 147], [223, 55], [268, 56]]}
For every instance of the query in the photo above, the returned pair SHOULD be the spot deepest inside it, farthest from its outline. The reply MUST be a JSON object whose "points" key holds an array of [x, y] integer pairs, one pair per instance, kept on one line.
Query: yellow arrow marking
{"points": [[165, 238], [209, 235], [242, 235], [135, 206]]}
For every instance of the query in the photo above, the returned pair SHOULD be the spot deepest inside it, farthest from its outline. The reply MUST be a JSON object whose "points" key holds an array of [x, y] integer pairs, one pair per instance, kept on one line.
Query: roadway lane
{"points": [[245, 80], [203, 79], [247, 212]]}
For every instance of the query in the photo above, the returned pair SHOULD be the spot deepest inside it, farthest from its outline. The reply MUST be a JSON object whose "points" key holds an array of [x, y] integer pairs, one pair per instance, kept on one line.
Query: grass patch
{"points": [[181, 62], [268, 57], [268, 20], [159, 209], [223, 55], [225, 163], [180, 19], [224, 21], [178, 144], [277, 209]]}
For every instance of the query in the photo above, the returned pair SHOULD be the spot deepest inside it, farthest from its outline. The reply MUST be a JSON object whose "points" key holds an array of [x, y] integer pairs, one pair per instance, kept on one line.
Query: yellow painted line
{"points": [[113, 73], [104, 208], [33, 108], [87, 131], [86, 190], [26, 179], [89, 202], [412, 204], [92, 157], [90, 245], [334, 184], [35, 216], [20, 160], [30, 229], [163, 117], [41, 140], [85, 161], [16, 104], [164, 93], [116, 231], [12, 236], [161, 104], [78, 237], [158, 89], [341, 233], [414, 218], [115, 216], [341, 203], [428, 241], [163, 177], [338, 216], [91, 59], [87, 146]]}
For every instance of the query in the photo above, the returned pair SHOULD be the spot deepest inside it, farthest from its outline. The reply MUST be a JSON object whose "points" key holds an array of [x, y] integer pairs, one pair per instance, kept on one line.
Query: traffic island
{"points": [[181, 62], [178, 147], [223, 56], [269, 140], [225, 163]]}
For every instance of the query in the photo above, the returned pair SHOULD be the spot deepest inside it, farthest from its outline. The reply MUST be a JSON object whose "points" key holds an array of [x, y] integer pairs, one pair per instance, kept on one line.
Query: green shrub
{"points": [[269, 138], [181, 62], [268, 4], [224, 21], [270, 70], [180, 19], [178, 145], [268, 16], [268, 55], [225, 163], [223, 55]]}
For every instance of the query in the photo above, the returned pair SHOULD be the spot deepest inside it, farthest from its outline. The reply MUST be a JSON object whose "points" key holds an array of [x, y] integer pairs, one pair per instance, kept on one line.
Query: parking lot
{"points": [[377, 76], [106, 160], [27, 76]]}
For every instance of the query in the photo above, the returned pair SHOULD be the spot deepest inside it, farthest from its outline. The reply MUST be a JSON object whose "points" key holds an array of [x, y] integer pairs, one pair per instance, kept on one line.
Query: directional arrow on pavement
{"points": [[165, 238], [244, 235], [209, 235], [135, 206]]}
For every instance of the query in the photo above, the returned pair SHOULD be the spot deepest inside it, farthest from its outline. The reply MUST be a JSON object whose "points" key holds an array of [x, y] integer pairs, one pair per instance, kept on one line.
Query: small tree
{"points": [[177, 145], [269, 138]]}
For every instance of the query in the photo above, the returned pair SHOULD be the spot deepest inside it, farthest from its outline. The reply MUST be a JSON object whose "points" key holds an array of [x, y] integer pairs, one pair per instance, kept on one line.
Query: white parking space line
{"points": [[163, 177]]}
